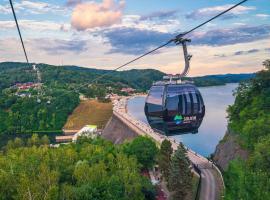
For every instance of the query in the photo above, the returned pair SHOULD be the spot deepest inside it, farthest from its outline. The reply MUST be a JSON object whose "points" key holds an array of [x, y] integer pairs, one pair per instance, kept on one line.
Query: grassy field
{"points": [[89, 112]]}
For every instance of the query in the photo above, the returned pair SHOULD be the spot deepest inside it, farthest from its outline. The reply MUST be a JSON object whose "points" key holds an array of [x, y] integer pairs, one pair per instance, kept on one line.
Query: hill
{"points": [[12, 72], [247, 174], [221, 79], [45, 108]]}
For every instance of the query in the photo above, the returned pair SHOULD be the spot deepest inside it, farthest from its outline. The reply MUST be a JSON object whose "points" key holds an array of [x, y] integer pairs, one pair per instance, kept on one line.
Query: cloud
{"points": [[262, 16], [5, 9], [57, 46], [159, 15], [244, 52], [134, 21], [36, 7], [73, 2], [241, 34], [134, 41], [91, 15], [33, 7], [35, 25], [211, 11], [251, 51]]}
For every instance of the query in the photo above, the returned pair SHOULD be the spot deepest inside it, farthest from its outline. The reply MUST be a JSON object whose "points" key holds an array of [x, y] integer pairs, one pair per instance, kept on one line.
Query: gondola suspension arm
{"points": [[187, 56]]}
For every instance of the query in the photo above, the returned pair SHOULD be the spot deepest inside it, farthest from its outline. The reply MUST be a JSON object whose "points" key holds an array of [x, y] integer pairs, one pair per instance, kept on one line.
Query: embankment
{"points": [[117, 131]]}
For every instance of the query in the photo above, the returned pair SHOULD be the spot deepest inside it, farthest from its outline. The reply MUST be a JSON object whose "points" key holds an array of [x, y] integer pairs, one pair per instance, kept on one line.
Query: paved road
{"points": [[211, 178]]}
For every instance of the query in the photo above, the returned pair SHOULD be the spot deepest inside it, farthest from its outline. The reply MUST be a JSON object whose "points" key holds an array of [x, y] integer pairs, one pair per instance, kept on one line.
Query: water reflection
{"points": [[214, 125]]}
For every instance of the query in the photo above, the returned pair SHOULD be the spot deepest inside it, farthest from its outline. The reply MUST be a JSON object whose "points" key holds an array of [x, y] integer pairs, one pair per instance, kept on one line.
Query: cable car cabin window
{"points": [[155, 100], [172, 103], [195, 103], [156, 95], [188, 103], [200, 103], [172, 100], [192, 103], [181, 103]]}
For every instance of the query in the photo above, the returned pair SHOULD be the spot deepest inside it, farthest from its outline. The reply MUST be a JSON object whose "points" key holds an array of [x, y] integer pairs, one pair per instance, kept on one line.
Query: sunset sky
{"points": [[105, 34]]}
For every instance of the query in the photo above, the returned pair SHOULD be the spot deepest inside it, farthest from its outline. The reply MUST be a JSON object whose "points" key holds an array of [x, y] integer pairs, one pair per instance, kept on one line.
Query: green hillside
{"points": [[249, 121], [45, 110]]}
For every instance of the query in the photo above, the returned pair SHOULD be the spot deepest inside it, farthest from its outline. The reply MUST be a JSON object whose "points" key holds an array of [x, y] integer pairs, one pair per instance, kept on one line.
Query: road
{"points": [[211, 179]]}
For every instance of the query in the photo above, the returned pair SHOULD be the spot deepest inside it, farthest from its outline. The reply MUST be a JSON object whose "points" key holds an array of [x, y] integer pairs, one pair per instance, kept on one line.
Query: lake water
{"points": [[214, 125]]}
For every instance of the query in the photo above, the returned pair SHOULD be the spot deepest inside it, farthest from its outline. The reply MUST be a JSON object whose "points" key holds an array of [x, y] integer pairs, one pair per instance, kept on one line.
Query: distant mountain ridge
{"points": [[140, 79]]}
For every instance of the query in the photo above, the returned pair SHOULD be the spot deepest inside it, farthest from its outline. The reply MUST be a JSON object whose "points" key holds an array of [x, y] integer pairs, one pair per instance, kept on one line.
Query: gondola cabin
{"points": [[174, 108]]}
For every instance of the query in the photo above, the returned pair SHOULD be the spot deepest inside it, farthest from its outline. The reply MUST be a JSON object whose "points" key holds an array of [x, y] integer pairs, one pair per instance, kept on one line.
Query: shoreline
{"points": [[207, 168]]}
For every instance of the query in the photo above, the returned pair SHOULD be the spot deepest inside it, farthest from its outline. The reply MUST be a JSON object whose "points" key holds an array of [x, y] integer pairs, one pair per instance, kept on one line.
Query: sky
{"points": [[104, 34]]}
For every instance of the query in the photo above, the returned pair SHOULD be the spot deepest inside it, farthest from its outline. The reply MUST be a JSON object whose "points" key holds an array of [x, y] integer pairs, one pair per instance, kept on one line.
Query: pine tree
{"points": [[180, 179], [164, 158]]}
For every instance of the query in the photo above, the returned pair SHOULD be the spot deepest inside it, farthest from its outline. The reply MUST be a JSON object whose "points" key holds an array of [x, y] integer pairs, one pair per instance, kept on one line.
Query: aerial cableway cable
{"points": [[18, 28], [179, 36], [175, 39]]}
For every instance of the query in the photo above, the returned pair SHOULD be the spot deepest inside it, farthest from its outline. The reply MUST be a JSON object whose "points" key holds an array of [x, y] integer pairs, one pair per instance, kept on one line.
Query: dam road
{"points": [[212, 185]]}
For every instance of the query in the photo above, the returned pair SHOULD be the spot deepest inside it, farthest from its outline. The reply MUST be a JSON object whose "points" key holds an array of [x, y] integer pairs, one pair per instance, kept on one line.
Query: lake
{"points": [[214, 125]]}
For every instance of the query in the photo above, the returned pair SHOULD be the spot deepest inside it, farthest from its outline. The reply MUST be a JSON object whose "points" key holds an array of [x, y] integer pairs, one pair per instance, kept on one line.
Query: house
{"points": [[70, 132], [28, 85], [87, 131], [63, 138], [128, 90], [72, 135]]}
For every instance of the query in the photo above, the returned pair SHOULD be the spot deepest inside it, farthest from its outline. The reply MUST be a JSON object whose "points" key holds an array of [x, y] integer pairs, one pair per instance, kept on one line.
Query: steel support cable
{"points": [[18, 28], [137, 58], [179, 36], [202, 24]]}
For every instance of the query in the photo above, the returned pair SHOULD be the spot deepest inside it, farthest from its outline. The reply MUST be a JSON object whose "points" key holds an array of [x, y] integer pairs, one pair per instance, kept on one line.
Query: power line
{"points": [[18, 28]]}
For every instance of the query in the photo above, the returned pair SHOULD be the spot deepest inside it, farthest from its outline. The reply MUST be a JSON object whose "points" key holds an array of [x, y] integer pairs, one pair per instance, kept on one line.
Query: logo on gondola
{"points": [[178, 119]]}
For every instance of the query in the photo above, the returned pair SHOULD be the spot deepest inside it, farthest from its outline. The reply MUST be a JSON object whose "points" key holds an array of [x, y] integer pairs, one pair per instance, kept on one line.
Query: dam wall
{"points": [[117, 131], [123, 126]]}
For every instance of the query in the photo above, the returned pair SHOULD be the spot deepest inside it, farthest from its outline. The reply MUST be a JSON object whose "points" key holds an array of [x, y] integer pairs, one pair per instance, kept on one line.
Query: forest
{"points": [[90, 169], [45, 110], [249, 121], [140, 79]]}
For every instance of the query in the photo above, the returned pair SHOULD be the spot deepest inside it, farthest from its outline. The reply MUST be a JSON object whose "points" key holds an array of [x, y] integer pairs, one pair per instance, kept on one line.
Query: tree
{"points": [[18, 143], [45, 140], [93, 169], [164, 158], [249, 120], [144, 149], [266, 64], [34, 140], [180, 179]]}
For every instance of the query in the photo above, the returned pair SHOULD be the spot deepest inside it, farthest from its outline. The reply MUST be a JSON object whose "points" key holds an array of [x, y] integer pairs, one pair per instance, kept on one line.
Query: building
{"points": [[28, 85], [63, 138], [87, 131], [128, 90], [72, 135], [70, 132]]}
